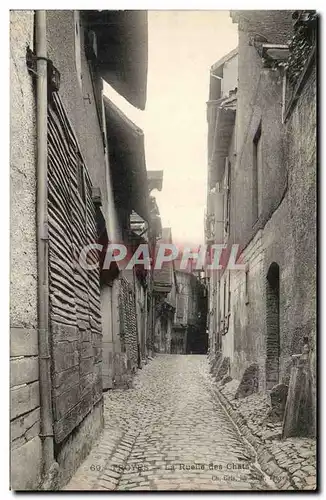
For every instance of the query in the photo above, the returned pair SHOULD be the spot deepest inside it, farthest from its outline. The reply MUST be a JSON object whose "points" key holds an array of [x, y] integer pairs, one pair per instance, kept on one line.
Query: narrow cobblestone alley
{"points": [[169, 432]]}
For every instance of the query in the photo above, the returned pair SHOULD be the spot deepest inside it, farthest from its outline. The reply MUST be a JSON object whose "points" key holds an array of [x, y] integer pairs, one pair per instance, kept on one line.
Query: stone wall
{"points": [[128, 324], [290, 235], [259, 104], [26, 449], [285, 232], [243, 342]]}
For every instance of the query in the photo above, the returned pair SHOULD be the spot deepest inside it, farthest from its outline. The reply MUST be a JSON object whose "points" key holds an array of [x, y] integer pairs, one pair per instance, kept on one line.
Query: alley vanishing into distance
{"points": [[169, 431], [163, 297]]}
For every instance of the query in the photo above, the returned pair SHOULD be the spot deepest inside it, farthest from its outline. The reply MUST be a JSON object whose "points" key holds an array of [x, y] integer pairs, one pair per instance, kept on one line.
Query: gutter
{"points": [[46, 434]]}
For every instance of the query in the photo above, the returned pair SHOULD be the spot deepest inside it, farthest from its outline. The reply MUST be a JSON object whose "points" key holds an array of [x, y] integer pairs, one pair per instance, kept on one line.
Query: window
{"points": [[81, 179], [77, 25], [226, 303], [216, 84], [257, 175], [247, 285], [272, 326]]}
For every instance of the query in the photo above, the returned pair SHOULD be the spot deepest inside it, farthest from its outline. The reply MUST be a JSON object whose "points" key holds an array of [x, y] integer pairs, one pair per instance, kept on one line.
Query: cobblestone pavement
{"points": [[169, 432], [291, 463]]}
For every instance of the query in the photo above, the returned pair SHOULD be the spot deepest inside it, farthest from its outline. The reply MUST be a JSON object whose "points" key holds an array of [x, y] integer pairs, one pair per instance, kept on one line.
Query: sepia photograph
{"points": [[163, 250]]}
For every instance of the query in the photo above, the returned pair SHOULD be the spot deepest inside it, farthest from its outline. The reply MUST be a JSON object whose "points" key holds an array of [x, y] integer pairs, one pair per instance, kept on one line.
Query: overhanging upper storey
{"points": [[221, 110], [119, 41], [127, 161], [223, 76], [225, 120]]}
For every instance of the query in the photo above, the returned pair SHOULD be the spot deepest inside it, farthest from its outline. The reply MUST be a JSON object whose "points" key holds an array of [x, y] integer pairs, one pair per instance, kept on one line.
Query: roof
{"points": [[122, 50], [127, 161], [224, 59]]}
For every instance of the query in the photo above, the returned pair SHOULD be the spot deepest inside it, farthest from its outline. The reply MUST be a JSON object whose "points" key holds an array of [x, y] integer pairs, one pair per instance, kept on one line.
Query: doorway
{"points": [[273, 325]]}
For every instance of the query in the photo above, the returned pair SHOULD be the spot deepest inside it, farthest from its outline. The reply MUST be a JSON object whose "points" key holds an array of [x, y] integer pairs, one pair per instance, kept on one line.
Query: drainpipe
{"points": [[134, 278], [42, 244]]}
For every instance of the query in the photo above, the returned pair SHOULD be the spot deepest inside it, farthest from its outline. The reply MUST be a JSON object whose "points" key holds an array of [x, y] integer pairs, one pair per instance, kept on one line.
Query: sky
{"points": [[182, 47]]}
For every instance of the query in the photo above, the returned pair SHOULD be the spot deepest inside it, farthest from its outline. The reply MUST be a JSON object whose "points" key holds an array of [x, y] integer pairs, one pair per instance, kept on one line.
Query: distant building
{"points": [[189, 333], [221, 111], [165, 296]]}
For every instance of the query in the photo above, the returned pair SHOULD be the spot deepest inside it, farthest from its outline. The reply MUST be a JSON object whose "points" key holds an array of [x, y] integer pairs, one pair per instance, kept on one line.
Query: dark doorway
{"points": [[197, 339], [273, 325]]}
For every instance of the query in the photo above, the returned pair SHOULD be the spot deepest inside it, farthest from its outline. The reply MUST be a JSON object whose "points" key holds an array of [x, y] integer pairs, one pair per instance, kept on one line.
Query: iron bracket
{"points": [[53, 73]]}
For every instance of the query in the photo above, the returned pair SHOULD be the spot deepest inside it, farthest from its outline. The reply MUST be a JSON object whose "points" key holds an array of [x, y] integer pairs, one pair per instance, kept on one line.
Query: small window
{"points": [[247, 286], [81, 180], [229, 294], [257, 175], [215, 92], [227, 195], [78, 47]]}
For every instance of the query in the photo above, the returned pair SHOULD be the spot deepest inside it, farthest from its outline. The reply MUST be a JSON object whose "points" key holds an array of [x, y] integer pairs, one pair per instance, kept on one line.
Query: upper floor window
{"points": [[215, 91], [257, 175], [247, 285], [80, 176], [77, 30]]}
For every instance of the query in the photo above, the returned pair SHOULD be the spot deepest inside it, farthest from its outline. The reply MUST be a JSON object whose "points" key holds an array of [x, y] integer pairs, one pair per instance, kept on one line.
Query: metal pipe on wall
{"points": [[42, 243]]}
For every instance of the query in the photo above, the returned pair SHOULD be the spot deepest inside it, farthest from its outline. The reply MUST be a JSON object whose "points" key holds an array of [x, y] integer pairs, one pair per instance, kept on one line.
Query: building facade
{"points": [[189, 333], [262, 197], [74, 330], [165, 296]]}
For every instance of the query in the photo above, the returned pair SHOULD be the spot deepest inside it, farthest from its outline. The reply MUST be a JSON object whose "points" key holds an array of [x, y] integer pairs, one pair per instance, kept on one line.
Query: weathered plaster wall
{"points": [[287, 225], [302, 168], [244, 341], [115, 367], [291, 236], [259, 102], [23, 181], [26, 450]]}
